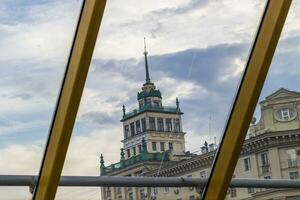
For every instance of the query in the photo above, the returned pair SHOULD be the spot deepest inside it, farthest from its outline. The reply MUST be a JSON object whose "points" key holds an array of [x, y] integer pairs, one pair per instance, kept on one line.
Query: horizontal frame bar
{"points": [[119, 181]]}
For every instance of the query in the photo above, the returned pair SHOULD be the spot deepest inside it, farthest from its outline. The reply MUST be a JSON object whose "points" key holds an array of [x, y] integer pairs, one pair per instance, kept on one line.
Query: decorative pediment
{"points": [[282, 93]]}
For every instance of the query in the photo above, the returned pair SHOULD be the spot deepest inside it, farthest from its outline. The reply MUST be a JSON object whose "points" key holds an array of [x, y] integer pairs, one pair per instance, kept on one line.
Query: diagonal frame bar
{"points": [[69, 99], [246, 99]]}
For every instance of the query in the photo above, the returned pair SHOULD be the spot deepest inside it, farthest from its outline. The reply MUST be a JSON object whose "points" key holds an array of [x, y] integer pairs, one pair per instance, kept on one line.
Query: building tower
{"points": [[158, 126]]}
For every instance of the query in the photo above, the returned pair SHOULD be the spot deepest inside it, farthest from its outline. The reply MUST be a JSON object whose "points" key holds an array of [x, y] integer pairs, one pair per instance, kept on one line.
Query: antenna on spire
{"points": [[146, 63]]}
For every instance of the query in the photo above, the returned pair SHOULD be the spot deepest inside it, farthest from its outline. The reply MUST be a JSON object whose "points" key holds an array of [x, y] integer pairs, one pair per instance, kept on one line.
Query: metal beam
{"points": [[246, 98], [69, 99], [115, 181]]}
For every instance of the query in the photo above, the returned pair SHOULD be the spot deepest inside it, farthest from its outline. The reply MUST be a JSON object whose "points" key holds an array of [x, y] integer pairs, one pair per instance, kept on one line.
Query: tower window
{"points": [[160, 124], [134, 151], [154, 146], [168, 124], [126, 131], [176, 125], [152, 123], [140, 148], [138, 126], [170, 145], [132, 130], [143, 125], [162, 146]]}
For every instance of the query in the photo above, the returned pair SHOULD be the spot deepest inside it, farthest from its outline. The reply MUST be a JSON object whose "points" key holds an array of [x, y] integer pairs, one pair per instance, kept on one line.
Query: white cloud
{"points": [[184, 90], [233, 71]]}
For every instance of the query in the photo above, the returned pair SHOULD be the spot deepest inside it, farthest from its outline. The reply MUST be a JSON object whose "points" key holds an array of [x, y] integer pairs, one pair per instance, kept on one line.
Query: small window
{"points": [[192, 197], [170, 146], [154, 146], [168, 125], [177, 125], [152, 123], [251, 190], [294, 175], [162, 146], [232, 192], [132, 130], [134, 151], [143, 125], [140, 148], [167, 189], [247, 164], [160, 124], [203, 174], [138, 126], [267, 177], [128, 153], [126, 131], [264, 159]]}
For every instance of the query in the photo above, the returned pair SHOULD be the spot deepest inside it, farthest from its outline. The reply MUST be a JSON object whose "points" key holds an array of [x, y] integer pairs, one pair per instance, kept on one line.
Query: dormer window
{"points": [[285, 114]]}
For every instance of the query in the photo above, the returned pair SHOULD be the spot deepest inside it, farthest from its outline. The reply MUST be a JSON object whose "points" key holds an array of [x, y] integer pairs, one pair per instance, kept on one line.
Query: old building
{"points": [[154, 145]]}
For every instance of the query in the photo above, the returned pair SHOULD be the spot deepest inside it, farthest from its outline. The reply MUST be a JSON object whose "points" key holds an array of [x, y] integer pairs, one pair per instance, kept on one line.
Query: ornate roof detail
{"points": [[151, 93]]}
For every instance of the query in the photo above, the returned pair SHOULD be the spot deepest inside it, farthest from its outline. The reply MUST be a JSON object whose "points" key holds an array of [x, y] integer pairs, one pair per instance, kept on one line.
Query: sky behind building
{"points": [[197, 52]]}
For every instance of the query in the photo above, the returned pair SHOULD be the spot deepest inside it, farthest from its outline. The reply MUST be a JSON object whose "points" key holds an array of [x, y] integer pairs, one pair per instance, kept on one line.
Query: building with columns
{"points": [[154, 145]]}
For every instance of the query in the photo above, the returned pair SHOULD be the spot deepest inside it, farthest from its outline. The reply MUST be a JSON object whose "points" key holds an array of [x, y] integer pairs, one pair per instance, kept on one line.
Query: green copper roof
{"points": [[151, 93], [149, 108], [153, 157]]}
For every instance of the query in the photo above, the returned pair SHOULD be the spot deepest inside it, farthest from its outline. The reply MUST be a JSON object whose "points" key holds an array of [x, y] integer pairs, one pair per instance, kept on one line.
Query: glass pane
{"points": [[196, 53], [272, 148], [35, 41]]}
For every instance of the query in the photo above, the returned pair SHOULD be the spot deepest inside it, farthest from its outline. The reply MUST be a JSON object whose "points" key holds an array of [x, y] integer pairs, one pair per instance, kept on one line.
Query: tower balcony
{"points": [[144, 156], [151, 108]]}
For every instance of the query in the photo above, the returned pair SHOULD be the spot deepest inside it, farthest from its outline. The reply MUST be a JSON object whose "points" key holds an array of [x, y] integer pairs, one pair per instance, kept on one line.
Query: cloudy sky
{"points": [[197, 51]]}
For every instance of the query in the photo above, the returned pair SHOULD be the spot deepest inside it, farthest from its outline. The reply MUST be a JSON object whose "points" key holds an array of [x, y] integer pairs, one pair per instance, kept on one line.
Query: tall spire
{"points": [[146, 63]]}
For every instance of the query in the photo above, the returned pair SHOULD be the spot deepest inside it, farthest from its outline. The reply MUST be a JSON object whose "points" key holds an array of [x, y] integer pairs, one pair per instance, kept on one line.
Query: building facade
{"points": [[154, 145]]}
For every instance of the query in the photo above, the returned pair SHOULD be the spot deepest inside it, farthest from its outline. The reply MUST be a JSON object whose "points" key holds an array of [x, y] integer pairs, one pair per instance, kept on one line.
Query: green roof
{"points": [[151, 93], [149, 108], [144, 156]]}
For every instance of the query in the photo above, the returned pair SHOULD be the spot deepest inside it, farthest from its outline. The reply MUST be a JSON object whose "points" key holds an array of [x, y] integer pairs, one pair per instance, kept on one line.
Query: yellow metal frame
{"points": [[246, 99], [69, 98]]}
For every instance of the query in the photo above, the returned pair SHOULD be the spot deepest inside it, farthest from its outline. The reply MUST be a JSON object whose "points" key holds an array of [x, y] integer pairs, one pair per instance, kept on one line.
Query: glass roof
{"points": [[35, 40], [192, 54]]}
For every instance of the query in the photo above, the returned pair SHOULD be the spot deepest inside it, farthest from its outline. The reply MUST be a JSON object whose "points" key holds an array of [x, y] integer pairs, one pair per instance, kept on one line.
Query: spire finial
{"points": [[177, 103], [124, 110], [102, 167], [146, 63]]}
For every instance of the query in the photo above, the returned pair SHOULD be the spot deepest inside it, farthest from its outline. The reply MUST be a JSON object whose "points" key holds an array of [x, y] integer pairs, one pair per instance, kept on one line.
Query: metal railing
{"points": [[118, 181]]}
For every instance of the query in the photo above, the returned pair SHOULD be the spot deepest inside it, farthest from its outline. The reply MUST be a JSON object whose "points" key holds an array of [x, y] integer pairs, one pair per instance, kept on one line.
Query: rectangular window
{"points": [[170, 145], [126, 131], [232, 192], [294, 175], [192, 197], [138, 126], [134, 151], [203, 174], [267, 177], [156, 104], [176, 125], [162, 146], [152, 123], [140, 148], [247, 164], [119, 190], [251, 190], [132, 130], [154, 146], [128, 153], [130, 196], [143, 125], [167, 189], [264, 159], [160, 124], [168, 124]]}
